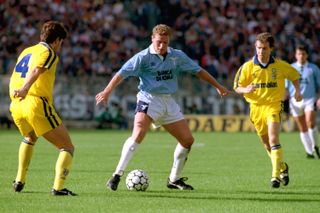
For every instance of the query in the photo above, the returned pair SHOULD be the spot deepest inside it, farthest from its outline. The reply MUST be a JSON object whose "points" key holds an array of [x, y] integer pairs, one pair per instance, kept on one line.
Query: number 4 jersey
{"points": [[40, 55]]}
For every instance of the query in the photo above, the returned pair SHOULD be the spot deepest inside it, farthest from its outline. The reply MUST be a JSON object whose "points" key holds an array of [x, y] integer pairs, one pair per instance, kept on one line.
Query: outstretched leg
{"points": [[142, 123]]}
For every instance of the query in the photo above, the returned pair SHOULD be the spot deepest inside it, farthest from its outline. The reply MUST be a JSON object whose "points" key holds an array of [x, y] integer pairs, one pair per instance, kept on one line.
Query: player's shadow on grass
{"points": [[281, 192], [233, 197], [33, 192]]}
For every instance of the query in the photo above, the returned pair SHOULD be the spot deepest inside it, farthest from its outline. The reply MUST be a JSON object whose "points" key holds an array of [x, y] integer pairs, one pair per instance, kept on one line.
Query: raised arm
{"points": [[104, 95]]}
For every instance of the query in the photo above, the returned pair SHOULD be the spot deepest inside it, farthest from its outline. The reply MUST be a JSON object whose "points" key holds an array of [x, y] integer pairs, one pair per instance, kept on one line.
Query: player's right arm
{"points": [[31, 78], [242, 81], [130, 68], [244, 90], [103, 96]]}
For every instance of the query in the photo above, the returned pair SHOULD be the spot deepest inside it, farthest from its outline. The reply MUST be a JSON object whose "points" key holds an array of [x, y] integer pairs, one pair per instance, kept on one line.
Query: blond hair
{"points": [[266, 37], [161, 29]]}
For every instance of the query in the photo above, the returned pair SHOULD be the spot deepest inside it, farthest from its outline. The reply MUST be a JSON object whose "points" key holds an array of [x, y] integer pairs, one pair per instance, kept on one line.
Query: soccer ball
{"points": [[137, 180]]}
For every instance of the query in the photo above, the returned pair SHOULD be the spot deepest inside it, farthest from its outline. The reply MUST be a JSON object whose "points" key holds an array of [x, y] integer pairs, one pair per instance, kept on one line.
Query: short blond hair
{"points": [[161, 29], [266, 37]]}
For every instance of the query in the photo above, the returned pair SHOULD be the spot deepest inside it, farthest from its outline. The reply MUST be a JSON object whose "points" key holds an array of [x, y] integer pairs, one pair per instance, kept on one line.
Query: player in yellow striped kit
{"points": [[32, 109]]}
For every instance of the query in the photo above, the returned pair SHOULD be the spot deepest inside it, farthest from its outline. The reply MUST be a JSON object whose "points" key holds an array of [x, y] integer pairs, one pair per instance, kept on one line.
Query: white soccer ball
{"points": [[137, 180]]}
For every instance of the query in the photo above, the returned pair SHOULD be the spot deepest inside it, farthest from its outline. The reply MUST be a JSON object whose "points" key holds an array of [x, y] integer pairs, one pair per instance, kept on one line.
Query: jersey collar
{"points": [[305, 64], [256, 61], [152, 51], [46, 45]]}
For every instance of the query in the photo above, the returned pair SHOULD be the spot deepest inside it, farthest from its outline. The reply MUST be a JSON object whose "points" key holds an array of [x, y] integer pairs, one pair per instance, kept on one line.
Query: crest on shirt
{"points": [[174, 60], [274, 74], [254, 75], [153, 64]]}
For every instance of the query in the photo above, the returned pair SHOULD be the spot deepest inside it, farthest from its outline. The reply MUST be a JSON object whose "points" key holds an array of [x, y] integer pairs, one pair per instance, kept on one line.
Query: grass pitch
{"points": [[229, 171]]}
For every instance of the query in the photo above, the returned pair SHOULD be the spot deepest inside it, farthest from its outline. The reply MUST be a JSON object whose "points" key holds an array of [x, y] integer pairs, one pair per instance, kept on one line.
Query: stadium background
{"points": [[219, 35]]}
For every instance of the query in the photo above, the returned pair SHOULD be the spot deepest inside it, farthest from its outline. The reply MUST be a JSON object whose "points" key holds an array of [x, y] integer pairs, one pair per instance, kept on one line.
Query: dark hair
{"points": [[52, 30], [266, 37], [302, 48]]}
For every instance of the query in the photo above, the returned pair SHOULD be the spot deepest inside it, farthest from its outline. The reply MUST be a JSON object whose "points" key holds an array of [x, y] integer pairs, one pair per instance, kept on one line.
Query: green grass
{"points": [[230, 173]]}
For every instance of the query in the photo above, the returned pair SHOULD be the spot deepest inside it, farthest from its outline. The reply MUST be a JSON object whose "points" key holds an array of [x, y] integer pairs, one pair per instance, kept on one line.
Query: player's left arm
{"points": [[204, 75], [31, 78], [186, 64]]}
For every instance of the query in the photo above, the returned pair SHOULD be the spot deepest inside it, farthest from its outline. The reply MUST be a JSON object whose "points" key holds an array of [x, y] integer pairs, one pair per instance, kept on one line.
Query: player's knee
{"points": [[310, 124], [138, 137], [29, 140], [139, 132], [187, 142], [69, 149]]}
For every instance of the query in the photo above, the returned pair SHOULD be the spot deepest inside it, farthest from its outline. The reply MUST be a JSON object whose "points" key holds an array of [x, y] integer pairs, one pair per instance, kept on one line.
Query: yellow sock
{"points": [[282, 164], [25, 155], [276, 159], [62, 169]]}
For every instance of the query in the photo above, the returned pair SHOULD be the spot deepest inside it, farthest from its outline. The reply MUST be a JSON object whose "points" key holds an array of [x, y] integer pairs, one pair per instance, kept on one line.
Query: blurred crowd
{"points": [[105, 33]]}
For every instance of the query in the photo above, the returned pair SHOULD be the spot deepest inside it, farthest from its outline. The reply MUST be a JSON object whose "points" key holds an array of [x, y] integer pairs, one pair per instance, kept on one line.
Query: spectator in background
{"points": [[5, 121], [112, 117], [228, 26]]}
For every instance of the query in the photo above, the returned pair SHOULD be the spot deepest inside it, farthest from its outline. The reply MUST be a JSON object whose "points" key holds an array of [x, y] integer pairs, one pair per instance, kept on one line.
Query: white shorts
{"points": [[298, 108], [162, 108]]}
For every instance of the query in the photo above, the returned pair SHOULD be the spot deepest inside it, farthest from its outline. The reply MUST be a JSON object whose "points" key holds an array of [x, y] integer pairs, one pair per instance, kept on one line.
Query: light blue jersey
{"points": [[157, 74], [309, 80]]}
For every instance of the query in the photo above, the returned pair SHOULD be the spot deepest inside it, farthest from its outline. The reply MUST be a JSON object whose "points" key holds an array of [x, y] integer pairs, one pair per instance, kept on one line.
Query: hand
{"points": [[298, 96], [101, 97], [250, 88], [223, 91], [20, 93]]}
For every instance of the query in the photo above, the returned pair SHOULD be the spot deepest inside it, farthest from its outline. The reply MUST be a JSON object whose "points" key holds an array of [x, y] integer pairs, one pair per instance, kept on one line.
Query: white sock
{"points": [[129, 147], [306, 141], [179, 158], [313, 134]]}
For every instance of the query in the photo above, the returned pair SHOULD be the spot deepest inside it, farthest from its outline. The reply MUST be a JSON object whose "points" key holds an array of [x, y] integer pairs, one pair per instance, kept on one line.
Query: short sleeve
{"points": [[186, 64], [131, 67], [291, 73], [45, 58], [241, 78]]}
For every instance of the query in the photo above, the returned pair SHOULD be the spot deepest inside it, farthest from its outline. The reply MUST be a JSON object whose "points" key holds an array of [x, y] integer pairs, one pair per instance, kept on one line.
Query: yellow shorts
{"points": [[34, 114], [261, 115]]}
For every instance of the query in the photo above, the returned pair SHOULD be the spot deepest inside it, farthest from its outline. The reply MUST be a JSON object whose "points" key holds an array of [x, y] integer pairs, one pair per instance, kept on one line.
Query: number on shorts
{"points": [[22, 66]]}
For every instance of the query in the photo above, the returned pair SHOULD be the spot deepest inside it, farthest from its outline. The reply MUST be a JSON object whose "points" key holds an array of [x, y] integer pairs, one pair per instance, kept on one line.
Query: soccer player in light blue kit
{"points": [[304, 112], [158, 67]]}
